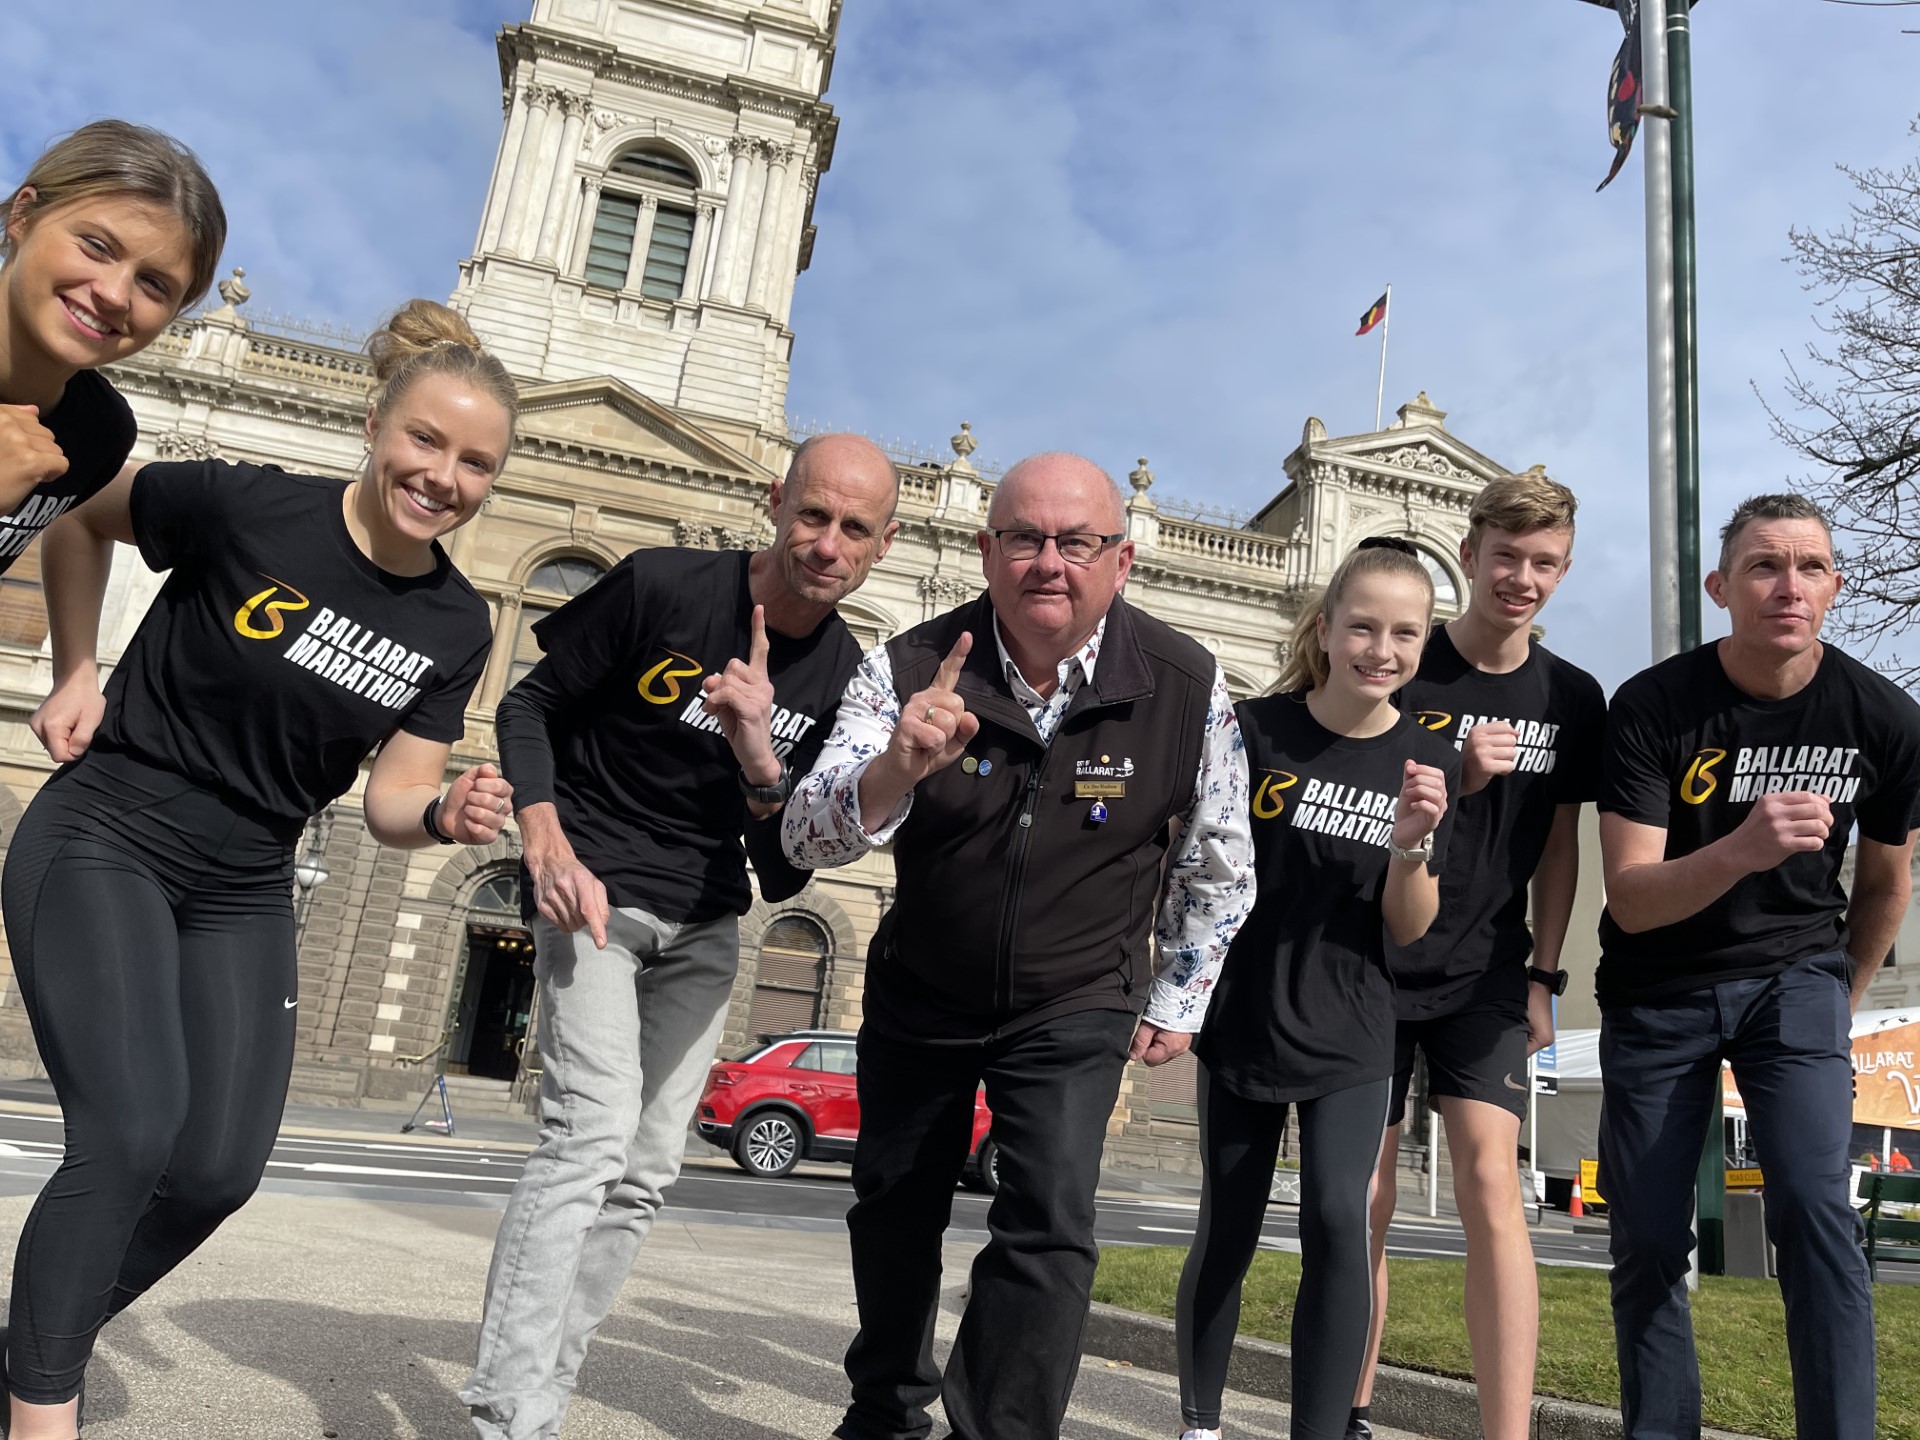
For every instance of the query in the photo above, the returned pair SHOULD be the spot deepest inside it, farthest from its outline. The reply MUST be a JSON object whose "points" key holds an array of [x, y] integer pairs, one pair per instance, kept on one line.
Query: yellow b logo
{"points": [[275, 626], [1266, 800], [668, 676], [1432, 719], [1699, 781]]}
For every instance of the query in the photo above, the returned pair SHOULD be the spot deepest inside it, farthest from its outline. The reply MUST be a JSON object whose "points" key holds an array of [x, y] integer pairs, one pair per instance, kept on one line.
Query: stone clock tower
{"points": [[652, 201]]}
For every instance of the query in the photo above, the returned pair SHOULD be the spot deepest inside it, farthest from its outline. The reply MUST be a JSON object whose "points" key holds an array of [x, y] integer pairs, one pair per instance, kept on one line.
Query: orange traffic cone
{"points": [[1576, 1208]]}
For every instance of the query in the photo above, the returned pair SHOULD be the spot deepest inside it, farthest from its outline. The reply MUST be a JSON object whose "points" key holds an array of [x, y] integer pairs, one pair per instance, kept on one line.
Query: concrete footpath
{"points": [[324, 1319]]}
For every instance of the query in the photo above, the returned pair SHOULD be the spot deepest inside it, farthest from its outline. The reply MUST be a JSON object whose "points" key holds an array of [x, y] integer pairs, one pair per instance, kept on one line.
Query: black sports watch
{"points": [[774, 794], [1554, 980]]}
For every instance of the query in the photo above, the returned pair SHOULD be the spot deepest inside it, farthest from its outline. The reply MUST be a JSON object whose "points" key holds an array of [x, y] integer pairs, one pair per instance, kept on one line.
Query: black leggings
{"points": [[1339, 1147], [152, 935]]}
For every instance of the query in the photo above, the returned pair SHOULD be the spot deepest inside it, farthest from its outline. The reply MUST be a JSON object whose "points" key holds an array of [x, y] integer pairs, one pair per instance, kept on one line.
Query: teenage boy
{"points": [[1735, 774], [1476, 994]]}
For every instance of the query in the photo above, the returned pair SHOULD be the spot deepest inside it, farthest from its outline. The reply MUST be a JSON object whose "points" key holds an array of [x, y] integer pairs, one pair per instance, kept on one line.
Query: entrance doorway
{"points": [[493, 1008]]}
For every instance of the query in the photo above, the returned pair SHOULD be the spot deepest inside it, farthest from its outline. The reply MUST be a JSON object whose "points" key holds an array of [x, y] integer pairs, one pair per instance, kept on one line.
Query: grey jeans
{"points": [[626, 1039]]}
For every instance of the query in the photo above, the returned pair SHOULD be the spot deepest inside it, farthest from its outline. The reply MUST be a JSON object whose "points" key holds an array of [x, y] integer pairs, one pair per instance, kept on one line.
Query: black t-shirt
{"points": [[1304, 1006], [1689, 752], [1477, 950], [609, 726], [94, 429], [277, 655]]}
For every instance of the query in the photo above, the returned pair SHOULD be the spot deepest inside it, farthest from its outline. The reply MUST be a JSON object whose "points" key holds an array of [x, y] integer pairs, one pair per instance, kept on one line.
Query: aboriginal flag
{"points": [[1376, 312], [1623, 90]]}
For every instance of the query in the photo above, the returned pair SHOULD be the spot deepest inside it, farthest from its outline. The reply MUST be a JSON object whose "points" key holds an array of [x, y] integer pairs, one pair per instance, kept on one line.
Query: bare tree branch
{"points": [[1853, 412]]}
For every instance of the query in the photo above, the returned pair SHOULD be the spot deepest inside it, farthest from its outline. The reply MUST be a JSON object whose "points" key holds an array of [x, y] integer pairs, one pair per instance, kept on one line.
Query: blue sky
{"points": [[1106, 225]]}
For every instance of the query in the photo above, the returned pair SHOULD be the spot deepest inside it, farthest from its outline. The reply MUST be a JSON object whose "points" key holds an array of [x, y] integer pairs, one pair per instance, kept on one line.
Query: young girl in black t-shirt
{"points": [[305, 622], [1349, 809], [114, 232]]}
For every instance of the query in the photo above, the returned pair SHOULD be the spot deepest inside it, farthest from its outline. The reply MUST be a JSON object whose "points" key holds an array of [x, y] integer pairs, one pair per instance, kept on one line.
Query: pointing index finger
{"points": [[948, 675], [757, 647]]}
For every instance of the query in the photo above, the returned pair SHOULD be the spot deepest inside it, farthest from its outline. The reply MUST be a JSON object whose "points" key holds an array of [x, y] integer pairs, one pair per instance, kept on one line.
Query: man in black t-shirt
{"points": [[1529, 727], [634, 780], [1734, 775]]}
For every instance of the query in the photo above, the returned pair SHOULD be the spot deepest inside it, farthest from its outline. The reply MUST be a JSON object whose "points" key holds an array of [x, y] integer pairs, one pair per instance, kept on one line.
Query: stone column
{"points": [[532, 142], [788, 255], [584, 216], [642, 238], [697, 253], [574, 107], [505, 166], [769, 228], [731, 219]]}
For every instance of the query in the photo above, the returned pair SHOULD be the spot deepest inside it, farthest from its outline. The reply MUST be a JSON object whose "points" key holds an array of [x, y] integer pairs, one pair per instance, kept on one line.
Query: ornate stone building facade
{"points": [[636, 257]]}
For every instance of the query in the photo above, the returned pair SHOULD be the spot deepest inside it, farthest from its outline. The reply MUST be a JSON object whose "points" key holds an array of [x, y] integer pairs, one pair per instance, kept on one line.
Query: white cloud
{"points": [[1115, 225]]}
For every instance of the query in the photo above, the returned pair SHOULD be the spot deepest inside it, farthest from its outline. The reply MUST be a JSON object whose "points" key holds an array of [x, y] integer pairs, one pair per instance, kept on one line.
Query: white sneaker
{"points": [[1199, 1435]]}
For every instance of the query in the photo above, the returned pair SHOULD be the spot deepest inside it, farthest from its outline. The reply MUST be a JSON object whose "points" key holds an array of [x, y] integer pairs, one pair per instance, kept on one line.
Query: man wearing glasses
{"points": [[1053, 768]]}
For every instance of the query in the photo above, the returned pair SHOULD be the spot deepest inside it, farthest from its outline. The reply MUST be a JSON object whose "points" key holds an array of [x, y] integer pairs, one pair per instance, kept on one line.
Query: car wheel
{"points": [[984, 1173], [767, 1145]]}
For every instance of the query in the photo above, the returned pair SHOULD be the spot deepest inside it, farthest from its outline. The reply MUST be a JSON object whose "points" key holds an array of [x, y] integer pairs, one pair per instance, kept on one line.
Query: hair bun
{"points": [[413, 329]]}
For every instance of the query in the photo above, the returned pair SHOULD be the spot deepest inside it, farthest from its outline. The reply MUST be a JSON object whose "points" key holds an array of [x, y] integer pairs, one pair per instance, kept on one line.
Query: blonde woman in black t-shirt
{"points": [[305, 622], [1350, 818], [114, 231]]}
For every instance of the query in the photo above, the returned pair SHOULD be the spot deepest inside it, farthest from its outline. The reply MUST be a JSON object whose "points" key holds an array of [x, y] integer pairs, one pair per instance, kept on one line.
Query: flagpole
{"points": [[1386, 319]]}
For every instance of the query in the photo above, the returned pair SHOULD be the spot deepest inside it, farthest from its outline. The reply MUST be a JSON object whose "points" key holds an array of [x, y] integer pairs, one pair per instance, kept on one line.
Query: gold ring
{"points": [[930, 714]]}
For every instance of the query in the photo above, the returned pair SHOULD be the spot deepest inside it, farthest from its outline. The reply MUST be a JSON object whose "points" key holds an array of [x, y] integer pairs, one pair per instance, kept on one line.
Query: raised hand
{"points": [[29, 455], [1492, 748], [740, 698], [1792, 822], [933, 731], [476, 806], [1423, 800]]}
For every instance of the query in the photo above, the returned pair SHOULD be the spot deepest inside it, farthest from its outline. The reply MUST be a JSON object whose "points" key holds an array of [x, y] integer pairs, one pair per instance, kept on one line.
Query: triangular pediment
{"points": [[1425, 450], [604, 416]]}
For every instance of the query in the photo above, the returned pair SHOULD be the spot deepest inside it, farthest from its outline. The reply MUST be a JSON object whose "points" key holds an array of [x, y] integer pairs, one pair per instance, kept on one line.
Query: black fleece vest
{"points": [[1014, 903]]}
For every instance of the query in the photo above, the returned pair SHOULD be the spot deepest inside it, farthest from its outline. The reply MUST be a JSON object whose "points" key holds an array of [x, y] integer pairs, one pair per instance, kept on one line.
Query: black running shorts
{"points": [[1475, 1054]]}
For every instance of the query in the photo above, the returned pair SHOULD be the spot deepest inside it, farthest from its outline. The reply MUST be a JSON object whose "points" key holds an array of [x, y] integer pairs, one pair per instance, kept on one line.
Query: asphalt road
{"points": [[711, 1191]]}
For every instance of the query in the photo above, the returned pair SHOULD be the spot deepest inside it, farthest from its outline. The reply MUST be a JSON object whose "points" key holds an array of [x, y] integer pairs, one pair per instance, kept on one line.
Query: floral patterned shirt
{"points": [[1210, 886]]}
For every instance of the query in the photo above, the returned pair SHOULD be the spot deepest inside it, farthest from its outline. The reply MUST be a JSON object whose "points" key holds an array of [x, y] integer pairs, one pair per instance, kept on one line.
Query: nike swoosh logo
{"points": [[289, 1004], [1511, 1085]]}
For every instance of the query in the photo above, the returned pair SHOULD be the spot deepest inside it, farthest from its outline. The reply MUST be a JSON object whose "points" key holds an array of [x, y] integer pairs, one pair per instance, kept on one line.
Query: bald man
{"points": [[1054, 769], [634, 780]]}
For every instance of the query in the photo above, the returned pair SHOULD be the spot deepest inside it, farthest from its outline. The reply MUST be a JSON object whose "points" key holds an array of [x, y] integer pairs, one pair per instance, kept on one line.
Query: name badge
{"points": [[1099, 789]]}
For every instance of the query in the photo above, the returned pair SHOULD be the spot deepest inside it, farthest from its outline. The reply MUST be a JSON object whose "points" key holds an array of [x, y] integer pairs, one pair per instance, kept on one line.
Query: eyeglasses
{"points": [[1076, 547]]}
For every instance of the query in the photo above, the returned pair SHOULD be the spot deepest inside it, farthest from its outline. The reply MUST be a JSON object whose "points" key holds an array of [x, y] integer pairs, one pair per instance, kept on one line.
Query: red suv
{"points": [[791, 1098]]}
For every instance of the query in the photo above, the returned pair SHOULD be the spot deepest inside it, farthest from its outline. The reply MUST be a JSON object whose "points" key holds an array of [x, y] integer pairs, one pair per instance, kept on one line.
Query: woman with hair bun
{"points": [[1350, 818], [306, 623], [115, 230]]}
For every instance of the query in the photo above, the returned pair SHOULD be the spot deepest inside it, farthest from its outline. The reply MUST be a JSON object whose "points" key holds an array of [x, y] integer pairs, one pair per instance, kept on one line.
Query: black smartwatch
{"points": [[1554, 980], [774, 794]]}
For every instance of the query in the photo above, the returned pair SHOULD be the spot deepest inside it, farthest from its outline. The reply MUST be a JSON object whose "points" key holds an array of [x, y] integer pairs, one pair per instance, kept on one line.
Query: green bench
{"points": [[1884, 1232]]}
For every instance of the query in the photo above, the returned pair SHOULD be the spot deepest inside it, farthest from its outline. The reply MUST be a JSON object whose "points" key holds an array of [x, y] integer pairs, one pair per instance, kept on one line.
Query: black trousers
{"points": [[152, 935], [1014, 1362], [1339, 1149]]}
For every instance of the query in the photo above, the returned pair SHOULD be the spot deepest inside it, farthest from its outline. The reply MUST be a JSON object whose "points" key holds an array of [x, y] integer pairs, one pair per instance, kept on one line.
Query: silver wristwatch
{"points": [[1422, 852]]}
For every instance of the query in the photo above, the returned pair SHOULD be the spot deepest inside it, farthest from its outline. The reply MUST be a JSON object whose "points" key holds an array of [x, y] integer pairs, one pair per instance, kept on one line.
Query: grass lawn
{"points": [[1738, 1324]]}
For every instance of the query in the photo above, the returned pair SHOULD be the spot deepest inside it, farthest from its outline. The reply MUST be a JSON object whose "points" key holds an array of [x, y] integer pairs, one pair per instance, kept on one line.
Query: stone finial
{"points": [[963, 445], [235, 292], [1313, 431], [1141, 478], [1422, 411]]}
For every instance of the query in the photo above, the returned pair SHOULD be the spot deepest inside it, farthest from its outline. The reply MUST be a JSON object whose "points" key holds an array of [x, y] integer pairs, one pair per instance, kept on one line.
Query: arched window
{"points": [[643, 231], [552, 583], [498, 900], [792, 972], [1446, 594]]}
